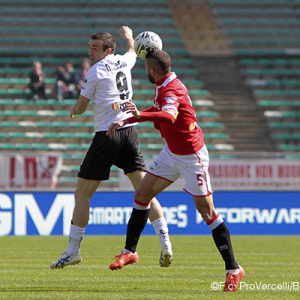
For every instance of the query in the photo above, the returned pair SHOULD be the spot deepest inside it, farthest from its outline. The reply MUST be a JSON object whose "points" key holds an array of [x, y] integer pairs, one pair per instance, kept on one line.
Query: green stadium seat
{"points": [[279, 103], [147, 92], [276, 93], [67, 179], [45, 124], [210, 125], [146, 125], [203, 103], [9, 124], [150, 135], [50, 135], [81, 124], [8, 146], [216, 135], [286, 147], [146, 103], [287, 136], [4, 135], [198, 92], [83, 135], [74, 156], [70, 168], [18, 135], [219, 147], [151, 146], [291, 156], [281, 125], [282, 114], [80, 147], [206, 114]]}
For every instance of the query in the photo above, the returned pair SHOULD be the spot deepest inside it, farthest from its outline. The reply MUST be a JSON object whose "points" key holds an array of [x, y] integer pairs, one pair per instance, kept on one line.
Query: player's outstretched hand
{"points": [[114, 126], [130, 107]]}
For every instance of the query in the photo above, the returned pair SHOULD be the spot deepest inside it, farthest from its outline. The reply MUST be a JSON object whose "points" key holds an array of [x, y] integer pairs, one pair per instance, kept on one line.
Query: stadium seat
{"points": [[282, 125], [50, 36], [206, 114], [286, 147], [279, 103], [287, 136]]}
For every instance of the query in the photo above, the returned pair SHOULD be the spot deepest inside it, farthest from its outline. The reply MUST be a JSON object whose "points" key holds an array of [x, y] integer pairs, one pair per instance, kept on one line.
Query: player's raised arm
{"points": [[126, 33]]}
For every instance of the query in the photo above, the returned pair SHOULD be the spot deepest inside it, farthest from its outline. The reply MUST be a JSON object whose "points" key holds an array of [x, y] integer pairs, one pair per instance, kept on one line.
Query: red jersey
{"points": [[174, 116]]}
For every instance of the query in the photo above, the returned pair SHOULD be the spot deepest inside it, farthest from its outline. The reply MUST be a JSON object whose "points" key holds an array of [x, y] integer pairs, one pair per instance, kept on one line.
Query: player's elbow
{"points": [[171, 115], [170, 118]]}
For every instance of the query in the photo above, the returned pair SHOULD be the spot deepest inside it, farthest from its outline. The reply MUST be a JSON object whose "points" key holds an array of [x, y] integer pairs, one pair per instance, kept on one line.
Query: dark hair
{"points": [[107, 39], [160, 61]]}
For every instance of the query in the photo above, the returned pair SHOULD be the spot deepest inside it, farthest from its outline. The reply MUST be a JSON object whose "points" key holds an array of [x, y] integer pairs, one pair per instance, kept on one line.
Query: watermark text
{"points": [[259, 286]]}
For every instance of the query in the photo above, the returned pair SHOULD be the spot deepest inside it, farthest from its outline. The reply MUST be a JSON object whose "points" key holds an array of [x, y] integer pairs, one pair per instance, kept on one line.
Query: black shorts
{"points": [[121, 150]]}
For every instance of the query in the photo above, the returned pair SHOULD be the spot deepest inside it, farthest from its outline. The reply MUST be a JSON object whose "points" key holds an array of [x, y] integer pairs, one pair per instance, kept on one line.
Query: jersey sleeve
{"points": [[89, 87], [170, 103], [153, 116], [130, 58]]}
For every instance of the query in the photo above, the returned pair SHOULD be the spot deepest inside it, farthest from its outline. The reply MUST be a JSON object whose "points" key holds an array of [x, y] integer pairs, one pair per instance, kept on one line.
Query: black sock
{"points": [[136, 225], [222, 240]]}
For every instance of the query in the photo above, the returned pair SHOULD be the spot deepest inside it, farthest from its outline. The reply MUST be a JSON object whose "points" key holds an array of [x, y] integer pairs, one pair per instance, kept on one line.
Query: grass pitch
{"points": [[270, 262]]}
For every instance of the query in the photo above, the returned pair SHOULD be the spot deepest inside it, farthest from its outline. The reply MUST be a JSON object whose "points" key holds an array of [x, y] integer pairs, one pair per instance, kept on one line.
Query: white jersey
{"points": [[108, 84]]}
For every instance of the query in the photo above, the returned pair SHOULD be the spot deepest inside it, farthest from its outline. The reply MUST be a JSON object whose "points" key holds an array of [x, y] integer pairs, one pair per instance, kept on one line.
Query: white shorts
{"points": [[193, 168]]}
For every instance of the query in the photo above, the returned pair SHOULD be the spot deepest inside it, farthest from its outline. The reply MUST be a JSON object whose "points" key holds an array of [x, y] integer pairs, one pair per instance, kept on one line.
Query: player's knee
{"points": [[141, 197]]}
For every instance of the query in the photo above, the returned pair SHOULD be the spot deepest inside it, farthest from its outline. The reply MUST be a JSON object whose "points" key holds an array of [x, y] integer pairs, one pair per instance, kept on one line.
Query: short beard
{"points": [[151, 79]]}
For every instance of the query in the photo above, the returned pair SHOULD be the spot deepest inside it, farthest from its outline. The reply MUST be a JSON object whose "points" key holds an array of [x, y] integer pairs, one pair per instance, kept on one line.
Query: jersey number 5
{"points": [[199, 179]]}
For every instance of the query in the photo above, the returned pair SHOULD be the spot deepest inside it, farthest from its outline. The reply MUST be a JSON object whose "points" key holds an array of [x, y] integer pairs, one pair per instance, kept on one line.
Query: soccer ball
{"points": [[145, 42]]}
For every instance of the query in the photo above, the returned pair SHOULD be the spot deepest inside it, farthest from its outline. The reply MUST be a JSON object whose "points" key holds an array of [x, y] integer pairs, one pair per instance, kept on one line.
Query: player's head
{"points": [[101, 44], [158, 65], [36, 65]]}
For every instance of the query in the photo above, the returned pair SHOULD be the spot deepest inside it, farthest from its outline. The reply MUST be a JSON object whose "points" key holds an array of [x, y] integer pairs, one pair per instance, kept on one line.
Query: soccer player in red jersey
{"points": [[184, 154]]}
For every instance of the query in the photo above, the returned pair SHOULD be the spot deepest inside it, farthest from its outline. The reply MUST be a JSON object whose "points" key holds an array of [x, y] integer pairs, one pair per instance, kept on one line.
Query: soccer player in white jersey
{"points": [[184, 154], [108, 84]]}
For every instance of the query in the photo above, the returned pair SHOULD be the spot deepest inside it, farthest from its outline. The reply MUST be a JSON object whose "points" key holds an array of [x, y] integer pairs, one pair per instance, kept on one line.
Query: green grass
{"points": [[25, 272]]}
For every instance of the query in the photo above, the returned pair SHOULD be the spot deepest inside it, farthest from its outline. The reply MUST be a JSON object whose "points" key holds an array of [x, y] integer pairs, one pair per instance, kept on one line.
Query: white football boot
{"points": [[66, 260], [166, 256]]}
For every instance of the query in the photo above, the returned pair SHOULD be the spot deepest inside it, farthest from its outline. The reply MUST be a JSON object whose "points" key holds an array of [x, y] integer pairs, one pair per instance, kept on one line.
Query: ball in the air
{"points": [[145, 42]]}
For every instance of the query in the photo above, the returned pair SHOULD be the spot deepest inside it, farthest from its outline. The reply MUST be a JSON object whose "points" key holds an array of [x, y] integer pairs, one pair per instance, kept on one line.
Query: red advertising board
{"points": [[29, 170], [266, 174]]}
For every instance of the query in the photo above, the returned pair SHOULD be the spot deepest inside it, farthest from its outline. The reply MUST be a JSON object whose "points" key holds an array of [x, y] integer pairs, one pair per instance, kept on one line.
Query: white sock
{"points": [[75, 237], [125, 251], [233, 271], [162, 230]]}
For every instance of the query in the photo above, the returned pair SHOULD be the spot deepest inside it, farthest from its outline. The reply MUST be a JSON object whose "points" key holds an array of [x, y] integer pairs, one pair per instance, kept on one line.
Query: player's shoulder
{"points": [[129, 58], [179, 85], [114, 58], [97, 70], [173, 83], [175, 91]]}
